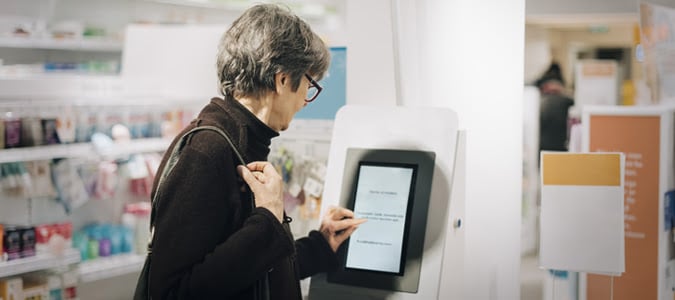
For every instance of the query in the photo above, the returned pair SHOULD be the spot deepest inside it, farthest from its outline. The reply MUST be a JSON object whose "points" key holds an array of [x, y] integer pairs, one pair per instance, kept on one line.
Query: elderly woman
{"points": [[209, 241]]}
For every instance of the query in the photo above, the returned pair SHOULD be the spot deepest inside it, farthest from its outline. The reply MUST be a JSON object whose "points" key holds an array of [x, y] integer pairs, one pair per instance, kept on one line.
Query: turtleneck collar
{"points": [[250, 134]]}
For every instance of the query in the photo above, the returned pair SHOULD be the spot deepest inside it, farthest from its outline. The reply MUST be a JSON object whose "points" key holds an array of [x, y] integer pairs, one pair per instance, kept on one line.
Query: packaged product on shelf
{"points": [[120, 134], [55, 286], [85, 125], [127, 239], [116, 236], [49, 133], [31, 132], [139, 124], [2, 135], [11, 288], [104, 247], [172, 123], [27, 241], [92, 249], [95, 234], [81, 243], [106, 180], [12, 131], [2, 241], [40, 174], [136, 170], [42, 235], [155, 127], [69, 185], [141, 214], [104, 242], [65, 127], [69, 281], [65, 229], [88, 172], [12, 242], [127, 230], [35, 290], [25, 181], [10, 179], [53, 238], [111, 118]]}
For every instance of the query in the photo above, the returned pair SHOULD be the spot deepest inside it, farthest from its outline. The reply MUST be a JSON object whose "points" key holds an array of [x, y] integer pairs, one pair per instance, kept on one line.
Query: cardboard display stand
{"points": [[645, 136]]}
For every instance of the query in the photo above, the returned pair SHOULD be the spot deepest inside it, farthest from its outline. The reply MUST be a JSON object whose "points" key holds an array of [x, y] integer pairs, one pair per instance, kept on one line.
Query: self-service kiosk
{"points": [[400, 168]]}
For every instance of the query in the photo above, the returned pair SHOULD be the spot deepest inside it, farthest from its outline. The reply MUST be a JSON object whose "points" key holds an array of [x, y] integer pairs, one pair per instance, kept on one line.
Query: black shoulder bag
{"points": [[142, 292]]}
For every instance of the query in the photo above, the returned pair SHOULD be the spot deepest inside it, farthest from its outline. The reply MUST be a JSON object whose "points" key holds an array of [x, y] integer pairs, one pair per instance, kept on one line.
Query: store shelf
{"points": [[220, 5], [108, 267], [37, 263], [85, 44], [83, 150], [46, 152], [59, 87], [136, 146]]}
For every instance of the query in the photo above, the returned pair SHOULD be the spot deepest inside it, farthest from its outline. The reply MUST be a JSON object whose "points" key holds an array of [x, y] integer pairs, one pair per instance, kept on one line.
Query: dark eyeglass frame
{"points": [[316, 85]]}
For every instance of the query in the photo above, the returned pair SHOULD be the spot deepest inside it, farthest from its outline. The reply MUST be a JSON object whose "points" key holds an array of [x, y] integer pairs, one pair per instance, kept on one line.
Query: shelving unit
{"points": [[108, 267], [80, 44], [83, 150], [229, 6], [39, 262], [45, 152]]}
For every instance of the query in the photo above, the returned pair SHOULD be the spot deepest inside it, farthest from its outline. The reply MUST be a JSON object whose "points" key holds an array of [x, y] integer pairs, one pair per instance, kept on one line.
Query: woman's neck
{"points": [[260, 107]]}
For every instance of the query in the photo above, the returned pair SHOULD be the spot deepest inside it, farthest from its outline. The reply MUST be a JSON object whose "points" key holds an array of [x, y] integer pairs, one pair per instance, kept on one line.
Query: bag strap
{"points": [[261, 290], [171, 162]]}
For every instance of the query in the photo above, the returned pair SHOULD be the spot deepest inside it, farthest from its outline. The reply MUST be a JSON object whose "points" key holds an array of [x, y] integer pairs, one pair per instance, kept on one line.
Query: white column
{"points": [[467, 55], [370, 53]]}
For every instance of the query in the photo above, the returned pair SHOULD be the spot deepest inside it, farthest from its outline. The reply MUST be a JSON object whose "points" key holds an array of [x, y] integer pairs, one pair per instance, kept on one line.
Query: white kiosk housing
{"points": [[381, 169]]}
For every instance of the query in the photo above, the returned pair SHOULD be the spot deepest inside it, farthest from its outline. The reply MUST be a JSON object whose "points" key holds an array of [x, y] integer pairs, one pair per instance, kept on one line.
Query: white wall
{"points": [[370, 54], [466, 55], [538, 53]]}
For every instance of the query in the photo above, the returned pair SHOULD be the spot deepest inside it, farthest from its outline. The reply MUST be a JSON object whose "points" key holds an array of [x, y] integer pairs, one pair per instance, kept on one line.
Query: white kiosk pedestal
{"points": [[440, 268]]}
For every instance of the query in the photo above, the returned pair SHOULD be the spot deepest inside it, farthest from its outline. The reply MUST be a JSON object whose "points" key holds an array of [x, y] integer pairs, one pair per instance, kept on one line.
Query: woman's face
{"points": [[289, 102]]}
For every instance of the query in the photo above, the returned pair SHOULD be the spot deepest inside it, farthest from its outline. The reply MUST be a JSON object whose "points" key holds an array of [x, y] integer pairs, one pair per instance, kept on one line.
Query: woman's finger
{"points": [[345, 234], [341, 213], [259, 176], [260, 166], [247, 175], [343, 224]]}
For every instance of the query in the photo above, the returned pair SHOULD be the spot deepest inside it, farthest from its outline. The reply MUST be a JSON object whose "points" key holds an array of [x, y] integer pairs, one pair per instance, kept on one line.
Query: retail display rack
{"points": [[80, 150], [81, 44], [38, 262]]}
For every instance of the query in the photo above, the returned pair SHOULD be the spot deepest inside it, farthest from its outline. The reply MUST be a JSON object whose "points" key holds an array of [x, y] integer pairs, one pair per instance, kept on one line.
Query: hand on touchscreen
{"points": [[266, 185], [337, 225]]}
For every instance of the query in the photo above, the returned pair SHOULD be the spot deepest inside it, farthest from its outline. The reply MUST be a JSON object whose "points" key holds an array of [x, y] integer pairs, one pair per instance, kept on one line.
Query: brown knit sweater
{"points": [[208, 244]]}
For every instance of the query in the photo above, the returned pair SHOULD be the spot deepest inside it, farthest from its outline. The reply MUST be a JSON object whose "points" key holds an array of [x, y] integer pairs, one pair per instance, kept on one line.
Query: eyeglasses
{"points": [[314, 89]]}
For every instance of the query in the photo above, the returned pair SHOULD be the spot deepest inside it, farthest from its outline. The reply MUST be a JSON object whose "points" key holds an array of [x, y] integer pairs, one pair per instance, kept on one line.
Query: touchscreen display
{"points": [[383, 196]]}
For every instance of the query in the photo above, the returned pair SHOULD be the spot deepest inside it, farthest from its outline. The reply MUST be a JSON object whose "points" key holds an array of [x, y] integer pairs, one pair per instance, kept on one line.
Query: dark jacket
{"points": [[208, 244], [553, 122]]}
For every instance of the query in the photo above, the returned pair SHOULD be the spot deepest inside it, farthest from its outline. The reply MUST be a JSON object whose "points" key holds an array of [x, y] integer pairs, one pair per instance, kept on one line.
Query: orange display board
{"points": [[638, 137]]}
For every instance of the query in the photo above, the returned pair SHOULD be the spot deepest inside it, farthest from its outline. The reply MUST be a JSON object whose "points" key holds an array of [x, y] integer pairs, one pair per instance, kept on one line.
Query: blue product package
{"points": [[127, 240], [116, 240], [81, 242]]}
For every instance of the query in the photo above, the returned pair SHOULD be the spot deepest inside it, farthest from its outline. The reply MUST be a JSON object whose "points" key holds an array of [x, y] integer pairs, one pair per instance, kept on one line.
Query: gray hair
{"points": [[265, 40]]}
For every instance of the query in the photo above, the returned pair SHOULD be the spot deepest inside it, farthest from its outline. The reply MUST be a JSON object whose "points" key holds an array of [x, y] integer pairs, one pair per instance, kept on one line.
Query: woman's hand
{"points": [[337, 225], [266, 185]]}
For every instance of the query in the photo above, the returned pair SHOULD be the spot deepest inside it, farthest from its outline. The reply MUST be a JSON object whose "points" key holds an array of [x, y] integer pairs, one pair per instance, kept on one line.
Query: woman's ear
{"points": [[281, 82]]}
